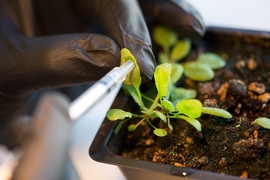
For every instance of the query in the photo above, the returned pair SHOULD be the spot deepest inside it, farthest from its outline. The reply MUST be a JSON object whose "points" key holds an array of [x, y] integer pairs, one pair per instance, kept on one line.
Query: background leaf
{"points": [[190, 107], [163, 58], [164, 37], [216, 112], [198, 71], [182, 93], [181, 49], [177, 72], [212, 60]]}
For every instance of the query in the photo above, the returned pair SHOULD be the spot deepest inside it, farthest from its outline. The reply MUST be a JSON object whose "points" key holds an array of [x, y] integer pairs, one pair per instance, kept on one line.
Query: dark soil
{"points": [[228, 146]]}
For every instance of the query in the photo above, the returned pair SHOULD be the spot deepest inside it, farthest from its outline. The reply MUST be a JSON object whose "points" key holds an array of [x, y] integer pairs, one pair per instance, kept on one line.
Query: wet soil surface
{"points": [[233, 146]]}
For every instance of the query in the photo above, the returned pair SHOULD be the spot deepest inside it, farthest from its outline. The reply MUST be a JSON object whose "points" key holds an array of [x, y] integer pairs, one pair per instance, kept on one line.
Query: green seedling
{"points": [[217, 112], [165, 106], [263, 121], [174, 50]]}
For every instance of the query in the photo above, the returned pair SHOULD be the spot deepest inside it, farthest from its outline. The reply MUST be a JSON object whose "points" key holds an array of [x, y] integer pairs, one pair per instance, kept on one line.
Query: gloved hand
{"points": [[40, 46], [45, 148]]}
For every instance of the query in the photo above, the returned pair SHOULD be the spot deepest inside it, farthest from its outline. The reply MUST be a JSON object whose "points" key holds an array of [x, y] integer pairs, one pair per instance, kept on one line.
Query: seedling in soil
{"points": [[263, 121], [163, 107]]}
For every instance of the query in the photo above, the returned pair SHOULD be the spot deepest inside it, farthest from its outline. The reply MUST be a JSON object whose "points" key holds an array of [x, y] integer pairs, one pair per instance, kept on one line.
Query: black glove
{"points": [[31, 63], [31, 60], [45, 148]]}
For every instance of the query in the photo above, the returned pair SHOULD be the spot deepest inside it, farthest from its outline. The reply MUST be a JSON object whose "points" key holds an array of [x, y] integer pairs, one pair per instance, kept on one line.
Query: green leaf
{"points": [[164, 37], [162, 77], [212, 60], [134, 77], [182, 93], [167, 105], [177, 72], [132, 127], [160, 132], [198, 71], [132, 91], [181, 49], [194, 122], [190, 107], [160, 115], [118, 114], [263, 121], [216, 112], [163, 58]]}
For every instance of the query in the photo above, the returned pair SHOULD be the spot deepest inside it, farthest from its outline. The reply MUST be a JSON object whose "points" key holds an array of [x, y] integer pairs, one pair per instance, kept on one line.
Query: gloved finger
{"points": [[46, 150], [177, 15], [123, 21]]}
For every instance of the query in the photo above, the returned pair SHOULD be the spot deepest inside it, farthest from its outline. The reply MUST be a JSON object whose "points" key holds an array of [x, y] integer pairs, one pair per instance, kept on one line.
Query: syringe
{"points": [[99, 90]]}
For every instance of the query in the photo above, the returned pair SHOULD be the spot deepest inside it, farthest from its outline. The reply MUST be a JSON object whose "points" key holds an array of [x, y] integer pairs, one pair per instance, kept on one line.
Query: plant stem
{"points": [[168, 118], [151, 100], [147, 98], [140, 122], [140, 97], [153, 106], [150, 123], [136, 115]]}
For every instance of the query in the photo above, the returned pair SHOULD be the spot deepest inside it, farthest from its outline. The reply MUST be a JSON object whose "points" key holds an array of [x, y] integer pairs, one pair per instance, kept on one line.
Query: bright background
{"points": [[241, 14]]}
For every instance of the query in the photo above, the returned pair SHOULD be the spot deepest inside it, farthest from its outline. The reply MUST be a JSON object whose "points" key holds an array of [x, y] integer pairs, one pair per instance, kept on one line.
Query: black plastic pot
{"points": [[106, 145]]}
